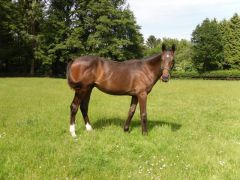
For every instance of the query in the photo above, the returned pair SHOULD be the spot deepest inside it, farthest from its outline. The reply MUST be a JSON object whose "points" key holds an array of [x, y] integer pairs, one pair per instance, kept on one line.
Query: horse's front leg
{"points": [[142, 98], [131, 112], [73, 111]]}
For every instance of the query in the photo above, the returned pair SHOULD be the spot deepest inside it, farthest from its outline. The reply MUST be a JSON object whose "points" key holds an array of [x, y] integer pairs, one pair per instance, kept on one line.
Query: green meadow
{"points": [[194, 132]]}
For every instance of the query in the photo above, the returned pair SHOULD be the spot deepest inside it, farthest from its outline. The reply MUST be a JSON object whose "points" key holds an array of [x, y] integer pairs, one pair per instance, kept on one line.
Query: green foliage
{"points": [[152, 42], [109, 30], [42, 36], [21, 23], [216, 45], [207, 46], [102, 28], [11, 47], [47, 34], [219, 74], [183, 54], [194, 132], [225, 74], [231, 37], [5, 38], [185, 75]]}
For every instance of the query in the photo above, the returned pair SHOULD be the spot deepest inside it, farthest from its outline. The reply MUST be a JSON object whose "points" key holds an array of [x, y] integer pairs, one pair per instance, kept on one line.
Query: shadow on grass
{"points": [[101, 123]]}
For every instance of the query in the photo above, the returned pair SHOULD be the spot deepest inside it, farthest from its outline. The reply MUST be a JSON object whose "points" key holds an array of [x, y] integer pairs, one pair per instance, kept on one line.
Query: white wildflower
{"points": [[221, 163]]}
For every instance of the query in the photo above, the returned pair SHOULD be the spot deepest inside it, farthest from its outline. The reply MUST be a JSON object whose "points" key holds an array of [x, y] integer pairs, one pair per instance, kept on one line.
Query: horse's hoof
{"points": [[73, 134], [72, 130], [88, 127], [126, 129]]}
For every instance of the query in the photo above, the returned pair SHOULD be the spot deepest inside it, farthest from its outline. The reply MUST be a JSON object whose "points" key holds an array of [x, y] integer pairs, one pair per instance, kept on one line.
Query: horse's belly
{"points": [[115, 88]]}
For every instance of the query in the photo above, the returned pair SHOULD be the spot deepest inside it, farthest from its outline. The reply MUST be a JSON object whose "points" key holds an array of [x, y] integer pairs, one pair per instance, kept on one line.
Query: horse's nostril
{"points": [[165, 77]]}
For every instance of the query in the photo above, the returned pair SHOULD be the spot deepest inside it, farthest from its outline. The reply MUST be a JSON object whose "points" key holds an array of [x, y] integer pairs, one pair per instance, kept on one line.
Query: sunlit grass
{"points": [[194, 132]]}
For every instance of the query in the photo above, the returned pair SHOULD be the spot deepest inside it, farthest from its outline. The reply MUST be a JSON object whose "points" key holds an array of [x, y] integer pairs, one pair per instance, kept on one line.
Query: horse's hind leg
{"points": [[84, 108], [131, 112], [74, 109]]}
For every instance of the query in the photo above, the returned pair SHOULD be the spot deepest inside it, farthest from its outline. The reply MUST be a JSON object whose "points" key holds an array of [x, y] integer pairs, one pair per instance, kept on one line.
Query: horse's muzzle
{"points": [[165, 78]]}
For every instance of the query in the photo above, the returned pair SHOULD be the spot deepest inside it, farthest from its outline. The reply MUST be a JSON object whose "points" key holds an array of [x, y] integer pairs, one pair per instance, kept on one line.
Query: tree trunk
{"points": [[34, 44], [32, 70]]}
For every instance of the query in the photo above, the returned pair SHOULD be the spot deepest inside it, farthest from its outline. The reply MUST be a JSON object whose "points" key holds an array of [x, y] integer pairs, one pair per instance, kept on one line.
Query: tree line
{"points": [[215, 45], [41, 36]]}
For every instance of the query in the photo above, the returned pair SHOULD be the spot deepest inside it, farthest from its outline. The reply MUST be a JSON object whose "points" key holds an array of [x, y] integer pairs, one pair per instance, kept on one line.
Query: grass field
{"points": [[194, 132]]}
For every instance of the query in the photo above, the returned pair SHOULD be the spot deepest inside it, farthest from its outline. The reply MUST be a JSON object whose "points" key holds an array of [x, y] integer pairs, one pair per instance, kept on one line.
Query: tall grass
{"points": [[194, 132]]}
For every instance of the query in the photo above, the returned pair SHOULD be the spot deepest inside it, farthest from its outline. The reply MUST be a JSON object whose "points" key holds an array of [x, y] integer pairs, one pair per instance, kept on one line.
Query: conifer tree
{"points": [[108, 28], [231, 42]]}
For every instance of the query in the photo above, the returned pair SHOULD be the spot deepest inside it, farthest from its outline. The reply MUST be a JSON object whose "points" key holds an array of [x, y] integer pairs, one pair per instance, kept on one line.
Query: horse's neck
{"points": [[154, 64]]}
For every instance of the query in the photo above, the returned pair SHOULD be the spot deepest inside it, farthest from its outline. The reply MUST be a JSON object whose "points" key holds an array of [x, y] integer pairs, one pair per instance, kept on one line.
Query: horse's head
{"points": [[167, 62]]}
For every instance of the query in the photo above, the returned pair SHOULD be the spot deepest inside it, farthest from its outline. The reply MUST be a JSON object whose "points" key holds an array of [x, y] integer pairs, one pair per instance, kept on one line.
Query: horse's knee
{"points": [[73, 108], [144, 117], [132, 110]]}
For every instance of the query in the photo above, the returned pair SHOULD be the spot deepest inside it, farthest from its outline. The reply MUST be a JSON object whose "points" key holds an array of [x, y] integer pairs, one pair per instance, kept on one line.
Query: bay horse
{"points": [[135, 78]]}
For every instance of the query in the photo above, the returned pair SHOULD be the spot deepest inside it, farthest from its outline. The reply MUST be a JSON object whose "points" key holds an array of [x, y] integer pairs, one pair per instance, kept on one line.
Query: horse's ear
{"points": [[163, 47], [173, 47]]}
